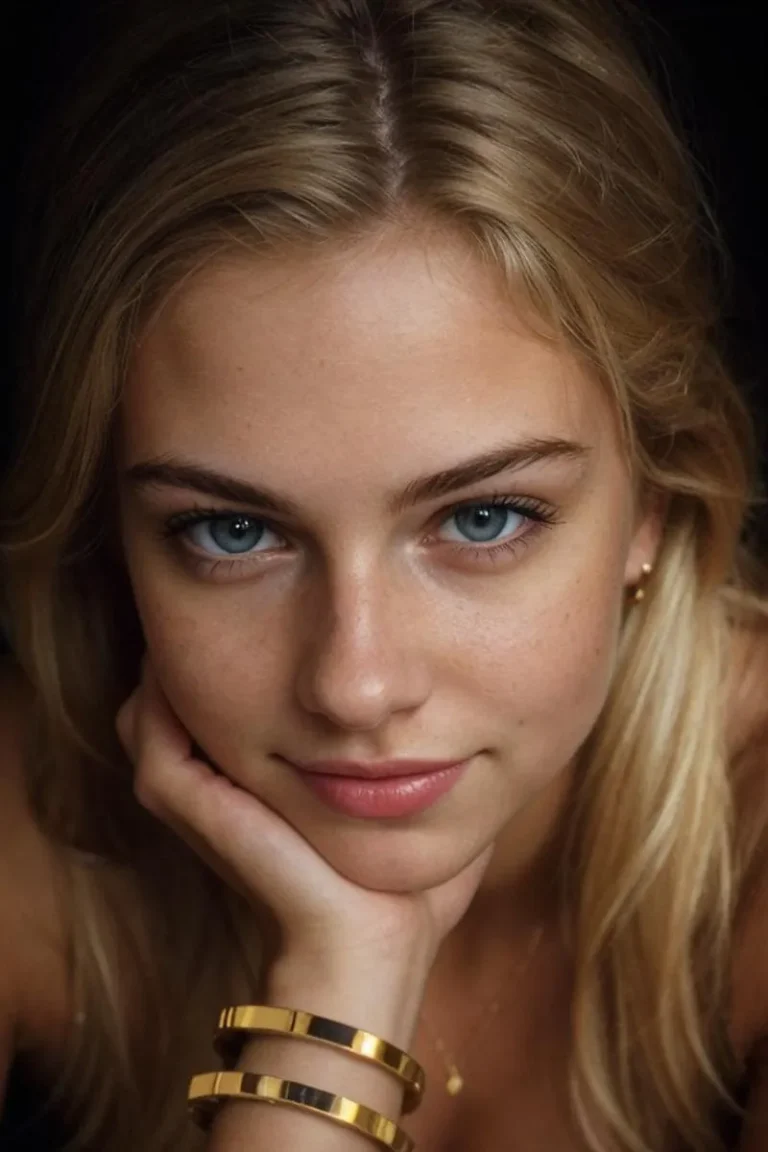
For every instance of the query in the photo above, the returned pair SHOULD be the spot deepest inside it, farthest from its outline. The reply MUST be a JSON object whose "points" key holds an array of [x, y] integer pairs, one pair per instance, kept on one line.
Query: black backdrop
{"points": [[709, 57]]}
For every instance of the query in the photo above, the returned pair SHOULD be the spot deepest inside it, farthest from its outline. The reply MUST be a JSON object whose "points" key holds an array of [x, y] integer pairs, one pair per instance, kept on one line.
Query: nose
{"points": [[362, 659]]}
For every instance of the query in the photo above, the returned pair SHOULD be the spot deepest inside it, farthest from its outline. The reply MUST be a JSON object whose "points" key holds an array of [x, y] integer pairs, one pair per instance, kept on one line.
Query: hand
{"points": [[261, 855]]}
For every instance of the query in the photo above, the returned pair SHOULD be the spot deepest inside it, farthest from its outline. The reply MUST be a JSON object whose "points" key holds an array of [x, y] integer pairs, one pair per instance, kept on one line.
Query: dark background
{"points": [[709, 57]]}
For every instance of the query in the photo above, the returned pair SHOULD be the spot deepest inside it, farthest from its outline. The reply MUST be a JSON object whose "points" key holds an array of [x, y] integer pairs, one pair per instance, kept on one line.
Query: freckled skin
{"points": [[335, 381]]}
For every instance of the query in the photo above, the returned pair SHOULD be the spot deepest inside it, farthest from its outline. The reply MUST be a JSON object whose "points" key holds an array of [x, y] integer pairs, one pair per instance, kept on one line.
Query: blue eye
{"points": [[233, 536], [486, 519]]}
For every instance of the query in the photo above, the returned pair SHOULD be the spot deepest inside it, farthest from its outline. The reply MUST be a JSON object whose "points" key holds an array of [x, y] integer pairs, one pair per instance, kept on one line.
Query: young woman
{"points": [[372, 414]]}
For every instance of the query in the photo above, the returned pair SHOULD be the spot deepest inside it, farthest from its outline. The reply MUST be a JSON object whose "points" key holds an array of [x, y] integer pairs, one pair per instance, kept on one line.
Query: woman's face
{"points": [[346, 627]]}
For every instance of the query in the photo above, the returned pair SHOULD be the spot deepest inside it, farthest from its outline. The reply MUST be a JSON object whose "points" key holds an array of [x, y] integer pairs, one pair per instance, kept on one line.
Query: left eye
{"points": [[485, 519]]}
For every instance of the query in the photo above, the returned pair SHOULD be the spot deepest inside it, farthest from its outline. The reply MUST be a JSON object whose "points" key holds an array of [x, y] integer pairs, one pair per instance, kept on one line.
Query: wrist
{"points": [[379, 996]]}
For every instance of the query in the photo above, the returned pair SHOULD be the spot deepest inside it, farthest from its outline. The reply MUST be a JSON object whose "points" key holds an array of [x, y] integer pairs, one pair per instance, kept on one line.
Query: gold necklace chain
{"points": [[455, 1081]]}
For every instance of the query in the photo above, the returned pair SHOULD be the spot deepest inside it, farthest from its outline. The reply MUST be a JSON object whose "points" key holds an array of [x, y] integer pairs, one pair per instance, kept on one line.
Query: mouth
{"points": [[382, 797], [375, 769]]}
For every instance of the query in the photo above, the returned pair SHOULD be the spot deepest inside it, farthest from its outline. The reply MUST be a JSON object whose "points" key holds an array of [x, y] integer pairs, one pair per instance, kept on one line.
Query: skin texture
{"points": [[353, 632]]}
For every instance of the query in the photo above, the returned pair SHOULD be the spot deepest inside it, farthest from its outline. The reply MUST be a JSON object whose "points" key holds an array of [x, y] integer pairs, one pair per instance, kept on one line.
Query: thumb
{"points": [[234, 830]]}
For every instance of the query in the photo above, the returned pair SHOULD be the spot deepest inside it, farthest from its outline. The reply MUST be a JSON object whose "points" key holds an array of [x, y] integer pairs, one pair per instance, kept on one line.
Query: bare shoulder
{"points": [[30, 916]]}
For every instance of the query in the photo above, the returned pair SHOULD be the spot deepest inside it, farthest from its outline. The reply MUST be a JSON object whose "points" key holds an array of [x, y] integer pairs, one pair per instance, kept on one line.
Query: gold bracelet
{"points": [[236, 1023], [209, 1090]]}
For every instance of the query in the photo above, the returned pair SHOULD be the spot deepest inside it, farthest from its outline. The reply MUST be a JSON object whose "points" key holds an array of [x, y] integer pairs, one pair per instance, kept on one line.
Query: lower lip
{"points": [[388, 797]]}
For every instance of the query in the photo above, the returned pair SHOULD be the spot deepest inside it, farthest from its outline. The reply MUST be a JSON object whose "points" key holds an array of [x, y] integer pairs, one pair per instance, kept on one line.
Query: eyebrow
{"points": [[175, 472]]}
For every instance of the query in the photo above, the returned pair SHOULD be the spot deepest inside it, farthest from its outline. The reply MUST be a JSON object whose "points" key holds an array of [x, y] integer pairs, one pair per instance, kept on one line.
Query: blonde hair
{"points": [[530, 128]]}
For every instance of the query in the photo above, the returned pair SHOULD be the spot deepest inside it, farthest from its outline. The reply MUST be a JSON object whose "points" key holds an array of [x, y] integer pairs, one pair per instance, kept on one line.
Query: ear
{"points": [[647, 534]]}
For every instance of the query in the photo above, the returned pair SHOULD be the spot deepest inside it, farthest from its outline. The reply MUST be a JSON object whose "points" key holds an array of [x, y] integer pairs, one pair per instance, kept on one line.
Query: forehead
{"points": [[392, 347]]}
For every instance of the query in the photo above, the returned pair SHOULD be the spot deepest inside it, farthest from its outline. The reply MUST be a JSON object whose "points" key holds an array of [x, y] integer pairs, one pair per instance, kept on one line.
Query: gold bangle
{"points": [[236, 1023], [209, 1090]]}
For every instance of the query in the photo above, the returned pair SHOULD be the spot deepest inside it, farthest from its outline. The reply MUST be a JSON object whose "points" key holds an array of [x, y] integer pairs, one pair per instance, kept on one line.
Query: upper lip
{"points": [[375, 769]]}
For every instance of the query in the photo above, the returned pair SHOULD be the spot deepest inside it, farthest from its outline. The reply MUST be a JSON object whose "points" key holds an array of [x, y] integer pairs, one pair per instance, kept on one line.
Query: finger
{"points": [[251, 839], [157, 720], [203, 851], [125, 725]]}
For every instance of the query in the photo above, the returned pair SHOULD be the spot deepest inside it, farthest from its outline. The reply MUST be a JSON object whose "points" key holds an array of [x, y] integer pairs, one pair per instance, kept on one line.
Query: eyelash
{"points": [[540, 515]]}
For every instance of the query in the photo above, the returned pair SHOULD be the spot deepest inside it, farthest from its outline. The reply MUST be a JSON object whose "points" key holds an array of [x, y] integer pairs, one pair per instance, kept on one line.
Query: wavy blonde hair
{"points": [[530, 127]]}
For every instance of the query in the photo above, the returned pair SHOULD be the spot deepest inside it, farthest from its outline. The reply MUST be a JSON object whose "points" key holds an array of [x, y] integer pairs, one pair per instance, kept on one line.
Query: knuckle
{"points": [[123, 729], [125, 725], [146, 791]]}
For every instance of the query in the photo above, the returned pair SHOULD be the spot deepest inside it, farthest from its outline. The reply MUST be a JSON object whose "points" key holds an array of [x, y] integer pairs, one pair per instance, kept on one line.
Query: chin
{"points": [[389, 860]]}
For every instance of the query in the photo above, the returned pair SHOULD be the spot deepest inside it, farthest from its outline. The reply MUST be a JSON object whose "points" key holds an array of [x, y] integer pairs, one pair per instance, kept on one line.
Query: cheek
{"points": [[566, 646], [546, 681], [219, 663]]}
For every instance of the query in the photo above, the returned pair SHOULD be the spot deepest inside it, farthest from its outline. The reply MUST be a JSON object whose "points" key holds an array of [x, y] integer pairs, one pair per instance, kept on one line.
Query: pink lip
{"points": [[374, 769], [386, 797]]}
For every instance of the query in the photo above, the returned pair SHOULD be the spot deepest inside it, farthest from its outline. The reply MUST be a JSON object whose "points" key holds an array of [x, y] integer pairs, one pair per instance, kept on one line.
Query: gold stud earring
{"points": [[639, 593]]}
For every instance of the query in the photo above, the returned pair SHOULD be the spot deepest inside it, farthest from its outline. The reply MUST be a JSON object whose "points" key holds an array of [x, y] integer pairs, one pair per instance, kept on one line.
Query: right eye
{"points": [[219, 534]]}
